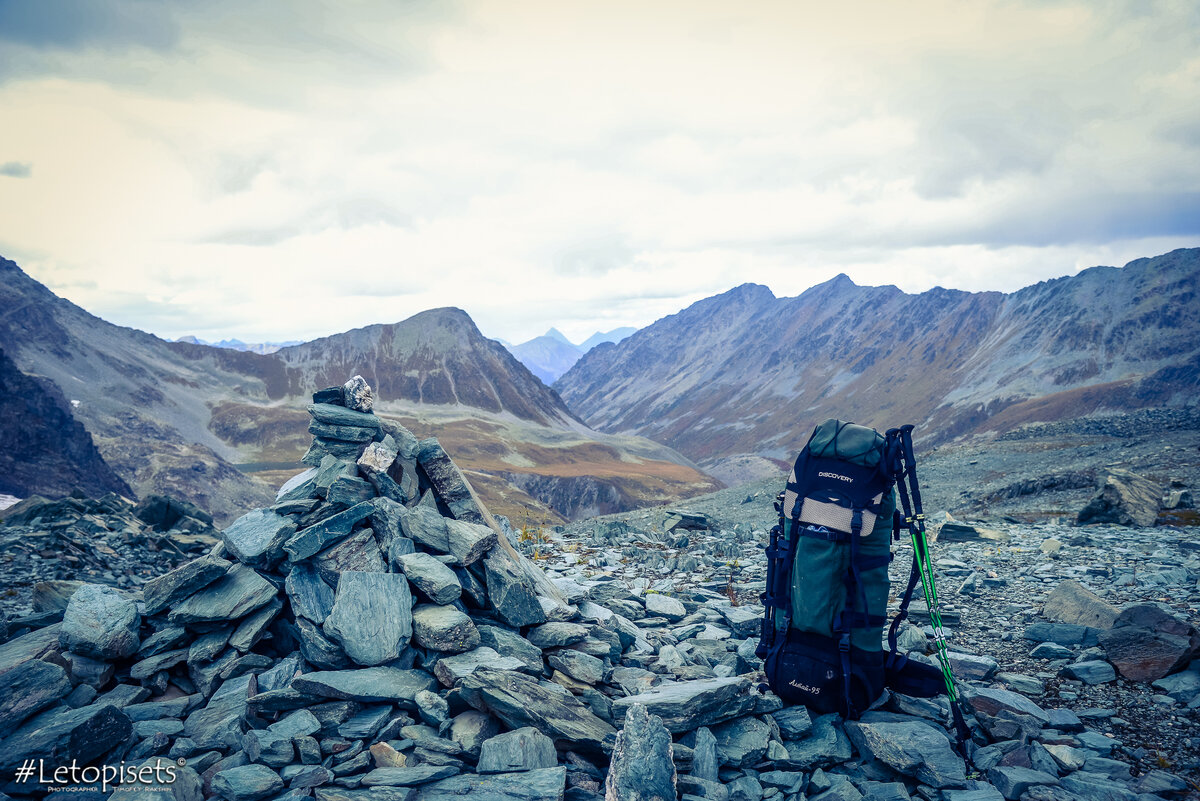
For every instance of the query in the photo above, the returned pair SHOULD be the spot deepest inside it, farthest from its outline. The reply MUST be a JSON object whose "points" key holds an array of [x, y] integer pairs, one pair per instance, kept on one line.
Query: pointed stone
{"points": [[641, 767], [311, 597]]}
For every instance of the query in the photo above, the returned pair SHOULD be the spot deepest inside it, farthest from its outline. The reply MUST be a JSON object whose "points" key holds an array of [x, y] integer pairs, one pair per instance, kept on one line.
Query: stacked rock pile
{"points": [[54, 544], [369, 636]]}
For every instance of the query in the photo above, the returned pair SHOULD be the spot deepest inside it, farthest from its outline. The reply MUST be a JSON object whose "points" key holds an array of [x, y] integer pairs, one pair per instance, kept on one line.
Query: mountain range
{"points": [[237, 344], [221, 427], [552, 354], [737, 381]]}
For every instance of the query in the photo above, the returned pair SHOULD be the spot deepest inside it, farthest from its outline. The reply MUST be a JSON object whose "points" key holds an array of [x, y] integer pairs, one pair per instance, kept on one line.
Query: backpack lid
{"points": [[835, 439]]}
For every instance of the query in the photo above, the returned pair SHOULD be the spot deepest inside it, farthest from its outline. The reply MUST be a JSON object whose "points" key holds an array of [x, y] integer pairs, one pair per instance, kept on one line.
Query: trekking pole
{"points": [[915, 518]]}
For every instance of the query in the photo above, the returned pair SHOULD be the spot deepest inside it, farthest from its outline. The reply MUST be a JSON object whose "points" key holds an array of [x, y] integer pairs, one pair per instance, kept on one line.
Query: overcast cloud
{"points": [[287, 170]]}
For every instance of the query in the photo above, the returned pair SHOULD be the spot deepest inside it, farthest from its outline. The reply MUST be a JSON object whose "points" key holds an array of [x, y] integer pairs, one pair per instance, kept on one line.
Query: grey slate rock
{"points": [[408, 776], [512, 598], [828, 744], [317, 649], [1063, 634], [349, 490], [520, 701], [431, 577], [794, 722], [915, 748], [237, 593], [546, 784], [556, 635], [443, 628], [470, 729], [658, 605], [367, 684], [746, 788], [992, 700], [28, 689], [1071, 602], [450, 669], [222, 715], [507, 643], [256, 538], [358, 552], [146, 668], [577, 665], [523, 749], [687, 705], [641, 768], [365, 723], [970, 666], [166, 590], [254, 626], [62, 734], [247, 783], [100, 623], [1093, 671], [1051, 650], [704, 760], [1012, 782], [742, 742], [468, 542], [371, 617], [1123, 498], [334, 415], [310, 597], [448, 482], [309, 541]]}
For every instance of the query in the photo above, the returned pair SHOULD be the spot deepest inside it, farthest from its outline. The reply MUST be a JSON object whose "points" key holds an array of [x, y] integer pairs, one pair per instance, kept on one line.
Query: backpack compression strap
{"points": [[903, 465]]}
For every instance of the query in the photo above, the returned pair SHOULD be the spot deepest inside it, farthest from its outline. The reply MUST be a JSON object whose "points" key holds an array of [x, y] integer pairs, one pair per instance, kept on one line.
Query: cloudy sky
{"points": [[286, 170]]}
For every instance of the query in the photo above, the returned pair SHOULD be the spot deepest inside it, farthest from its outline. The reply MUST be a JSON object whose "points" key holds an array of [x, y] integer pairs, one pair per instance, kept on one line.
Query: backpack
{"points": [[827, 582]]}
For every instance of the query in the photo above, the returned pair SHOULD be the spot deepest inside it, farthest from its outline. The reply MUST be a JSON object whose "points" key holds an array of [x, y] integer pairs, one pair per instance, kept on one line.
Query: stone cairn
{"points": [[371, 637]]}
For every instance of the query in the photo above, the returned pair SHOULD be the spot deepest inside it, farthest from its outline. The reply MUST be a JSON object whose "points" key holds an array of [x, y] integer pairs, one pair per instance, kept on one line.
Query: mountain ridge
{"points": [[745, 372]]}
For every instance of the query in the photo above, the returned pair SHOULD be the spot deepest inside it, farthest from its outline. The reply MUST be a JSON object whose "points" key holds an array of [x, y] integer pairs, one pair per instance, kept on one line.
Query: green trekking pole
{"points": [[916, 528]]}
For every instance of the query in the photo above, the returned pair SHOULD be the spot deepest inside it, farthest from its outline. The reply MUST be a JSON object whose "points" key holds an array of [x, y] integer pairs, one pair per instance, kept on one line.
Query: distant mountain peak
{"points": [[554, 333]]}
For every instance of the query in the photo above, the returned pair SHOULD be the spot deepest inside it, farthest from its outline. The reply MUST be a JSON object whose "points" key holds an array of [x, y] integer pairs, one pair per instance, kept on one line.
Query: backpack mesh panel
{"points": [[838, 518]]}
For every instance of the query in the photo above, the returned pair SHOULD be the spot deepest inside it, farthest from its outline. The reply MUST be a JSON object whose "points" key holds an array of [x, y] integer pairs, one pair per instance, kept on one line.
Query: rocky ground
{"points": [[371, 637]]}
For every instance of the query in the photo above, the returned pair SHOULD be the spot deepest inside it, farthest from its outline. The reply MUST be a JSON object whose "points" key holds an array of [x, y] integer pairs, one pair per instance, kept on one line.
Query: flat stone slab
{"points": [[407, 777], [689, 705], [521, 701], [311, 597], [333, 415], [239, 592], [308, 541], [450, 669], [547, 784], [371, 616], [368, 684], [28, 689], [62, 734], [915, 748], [165, 590]]}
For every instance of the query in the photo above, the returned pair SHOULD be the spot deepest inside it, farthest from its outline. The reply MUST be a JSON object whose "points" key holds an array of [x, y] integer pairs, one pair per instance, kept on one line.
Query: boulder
{"points": [[641, 768], [247, 783], [509, 592], [28, 689], [742, 742], [63, 735], [436, 581], [1145, 643], [371, 616], [914, 748], [443, 628], [101, 623], [1071, 602], [1123, 498], [522, 749]]}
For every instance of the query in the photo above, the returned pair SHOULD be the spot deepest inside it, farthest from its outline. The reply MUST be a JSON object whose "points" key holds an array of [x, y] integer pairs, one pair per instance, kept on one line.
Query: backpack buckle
{"points": [[844, 643]]}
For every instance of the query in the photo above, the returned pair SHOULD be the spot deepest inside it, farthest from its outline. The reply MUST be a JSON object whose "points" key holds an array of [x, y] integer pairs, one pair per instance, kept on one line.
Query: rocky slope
{"points": [[748, 373], [43, 448], [369, 636]]}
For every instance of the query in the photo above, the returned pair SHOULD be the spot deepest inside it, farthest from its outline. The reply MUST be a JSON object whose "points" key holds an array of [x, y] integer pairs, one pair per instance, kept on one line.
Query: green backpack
{"points": [[827, 575]]}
